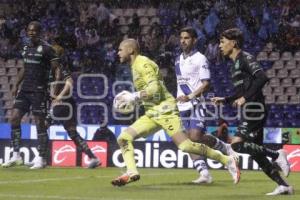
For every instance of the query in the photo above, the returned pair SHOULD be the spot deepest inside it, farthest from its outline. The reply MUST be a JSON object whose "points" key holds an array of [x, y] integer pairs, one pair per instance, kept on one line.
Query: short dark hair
{"points": [[234, 34], [190, 30], [37, 25]]}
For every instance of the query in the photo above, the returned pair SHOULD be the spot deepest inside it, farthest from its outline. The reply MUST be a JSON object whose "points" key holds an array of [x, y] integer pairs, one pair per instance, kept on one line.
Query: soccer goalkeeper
{"points": [[160, 112]]}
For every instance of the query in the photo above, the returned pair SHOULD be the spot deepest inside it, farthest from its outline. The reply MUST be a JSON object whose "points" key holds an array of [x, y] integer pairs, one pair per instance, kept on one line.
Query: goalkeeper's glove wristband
{"points": [[137, 95]]}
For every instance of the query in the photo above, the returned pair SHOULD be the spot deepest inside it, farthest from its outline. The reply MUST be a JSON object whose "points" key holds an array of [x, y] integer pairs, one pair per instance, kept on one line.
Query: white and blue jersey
{"points": [[191, 70]]}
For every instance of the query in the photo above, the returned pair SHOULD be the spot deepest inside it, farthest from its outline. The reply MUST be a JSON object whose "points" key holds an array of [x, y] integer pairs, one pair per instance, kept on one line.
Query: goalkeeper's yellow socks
{"points": [[128, 152], [203, 150]]}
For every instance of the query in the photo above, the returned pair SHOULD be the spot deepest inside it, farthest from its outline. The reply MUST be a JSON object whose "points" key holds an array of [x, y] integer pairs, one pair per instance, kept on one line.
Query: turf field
{"points": [[156, 184]]}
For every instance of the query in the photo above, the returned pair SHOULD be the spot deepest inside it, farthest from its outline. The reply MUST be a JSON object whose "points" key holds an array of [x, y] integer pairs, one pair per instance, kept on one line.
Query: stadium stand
{"points": [[90, 33]]}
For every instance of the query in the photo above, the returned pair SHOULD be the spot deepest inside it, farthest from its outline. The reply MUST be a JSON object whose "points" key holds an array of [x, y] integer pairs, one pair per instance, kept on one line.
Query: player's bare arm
{"points": [[20, 77], [197, 93]]}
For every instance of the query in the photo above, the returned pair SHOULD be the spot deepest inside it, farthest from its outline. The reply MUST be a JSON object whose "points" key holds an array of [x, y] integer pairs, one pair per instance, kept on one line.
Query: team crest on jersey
{"points": [[237, 65], [39, 49]]}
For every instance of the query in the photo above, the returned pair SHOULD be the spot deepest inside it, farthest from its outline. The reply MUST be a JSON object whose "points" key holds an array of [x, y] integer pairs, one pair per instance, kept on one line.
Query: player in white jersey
{"points": [[193, 75]]}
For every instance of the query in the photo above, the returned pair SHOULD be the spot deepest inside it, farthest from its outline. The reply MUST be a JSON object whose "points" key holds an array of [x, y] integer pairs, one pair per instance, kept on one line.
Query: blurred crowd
{"points": [[89, 32]]}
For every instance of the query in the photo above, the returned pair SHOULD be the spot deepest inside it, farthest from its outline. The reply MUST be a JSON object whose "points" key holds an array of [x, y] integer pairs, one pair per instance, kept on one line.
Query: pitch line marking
{"points": [[68, 178], [56, 197]]}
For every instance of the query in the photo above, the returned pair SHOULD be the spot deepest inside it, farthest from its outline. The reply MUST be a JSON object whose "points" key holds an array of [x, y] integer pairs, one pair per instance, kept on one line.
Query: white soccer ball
{"points": [[124, 102]]}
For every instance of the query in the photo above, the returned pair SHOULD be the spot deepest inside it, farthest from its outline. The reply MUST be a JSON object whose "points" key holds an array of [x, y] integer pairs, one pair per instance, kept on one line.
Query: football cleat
{"points": [[234, 170], [94, 162], [281, 190], [125, 179], [203, 179], [14, 161], [39, 163], [283, 162]]}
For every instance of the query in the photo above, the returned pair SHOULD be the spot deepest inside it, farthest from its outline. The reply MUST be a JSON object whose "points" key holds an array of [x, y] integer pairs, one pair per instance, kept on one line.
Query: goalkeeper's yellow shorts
{"points": [[147, 125]]}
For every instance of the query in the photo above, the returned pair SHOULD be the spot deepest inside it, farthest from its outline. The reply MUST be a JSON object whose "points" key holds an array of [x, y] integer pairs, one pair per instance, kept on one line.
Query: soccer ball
{"points": [[124, 102]]}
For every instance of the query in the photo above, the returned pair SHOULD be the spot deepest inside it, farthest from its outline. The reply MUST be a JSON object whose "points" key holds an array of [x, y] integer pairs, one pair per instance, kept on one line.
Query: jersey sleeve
{"points": [[50, 54], [204, 69], [251, 66], [151, 78]]}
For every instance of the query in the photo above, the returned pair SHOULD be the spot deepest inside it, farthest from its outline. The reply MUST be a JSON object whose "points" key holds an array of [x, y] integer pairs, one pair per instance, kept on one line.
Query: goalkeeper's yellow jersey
{"points": [[146, 76]]}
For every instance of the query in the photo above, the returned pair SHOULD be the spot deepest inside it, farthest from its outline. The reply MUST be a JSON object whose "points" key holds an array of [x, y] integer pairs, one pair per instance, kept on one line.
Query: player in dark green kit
{"points": [[39, 58], [248, 79]]}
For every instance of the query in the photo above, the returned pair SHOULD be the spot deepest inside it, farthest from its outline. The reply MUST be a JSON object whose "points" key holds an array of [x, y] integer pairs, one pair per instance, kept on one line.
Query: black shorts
{"points": [[63, 113], [36, 100], [251, 126]]}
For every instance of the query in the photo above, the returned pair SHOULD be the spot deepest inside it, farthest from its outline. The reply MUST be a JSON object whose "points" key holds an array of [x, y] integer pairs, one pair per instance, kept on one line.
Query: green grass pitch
{"points": [[157, 184]]}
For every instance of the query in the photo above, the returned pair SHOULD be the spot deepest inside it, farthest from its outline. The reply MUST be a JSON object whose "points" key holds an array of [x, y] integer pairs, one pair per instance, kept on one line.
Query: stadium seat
{"points": [[271, 73], [151, 12], [10, 63], [297, 56], [282, 99], [144, 21], [2, 71], [117, 12], [12, 80], [262, 56], [294, 73], [282, 73], [270, 99], [294, 100], [4, 87], [8, 105], [286, 56], [141, 12], [278, 64], [287, 82], [267, 90], [274, 82], [278, 91], [3, 79], [274, 56], [12, 71], [145, 30], [291, 91], [268, 47], [129, 12], [7, 96], [297, 82], [122, 21], [124, 29], [154, 19], [291, 64]]}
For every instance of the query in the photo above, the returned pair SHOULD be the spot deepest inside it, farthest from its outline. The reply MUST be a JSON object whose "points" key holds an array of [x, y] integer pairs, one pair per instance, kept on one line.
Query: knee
{"points": [[14, 121], [185, 145], [196, 136], [124, 138], [237, 146]]}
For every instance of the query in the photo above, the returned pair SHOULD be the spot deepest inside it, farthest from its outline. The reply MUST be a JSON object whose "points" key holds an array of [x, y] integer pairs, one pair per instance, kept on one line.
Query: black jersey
{"points": [[243, 76], [37, 66]]}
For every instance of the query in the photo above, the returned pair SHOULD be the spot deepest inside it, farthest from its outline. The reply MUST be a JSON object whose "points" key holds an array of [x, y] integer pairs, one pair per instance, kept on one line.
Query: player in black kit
{"points": [[38, 58], [63, 109], [248, 79]]}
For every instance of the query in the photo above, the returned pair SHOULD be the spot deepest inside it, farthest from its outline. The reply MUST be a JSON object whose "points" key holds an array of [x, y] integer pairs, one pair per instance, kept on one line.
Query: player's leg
{"points": [[254, 148], [195, 130], [38, 102], [70, 126], [199, 161], [171, 123], [15, 122], [142, 127], [249, 131], [21, 106]]}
